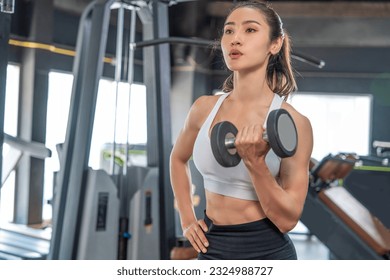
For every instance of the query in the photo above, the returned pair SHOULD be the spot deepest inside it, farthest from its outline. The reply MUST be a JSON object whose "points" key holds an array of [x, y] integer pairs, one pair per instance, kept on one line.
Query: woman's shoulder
{"points": [[204, 104], [206, 101], [201, 108]]}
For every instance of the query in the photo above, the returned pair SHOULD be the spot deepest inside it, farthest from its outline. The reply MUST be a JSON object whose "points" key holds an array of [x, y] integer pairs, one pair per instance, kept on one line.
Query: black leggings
{"points": [[259, 240]]}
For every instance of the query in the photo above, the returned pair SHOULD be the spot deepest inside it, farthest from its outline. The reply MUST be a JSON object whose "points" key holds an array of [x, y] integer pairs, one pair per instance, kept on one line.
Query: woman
{"points": [[250, 207]]}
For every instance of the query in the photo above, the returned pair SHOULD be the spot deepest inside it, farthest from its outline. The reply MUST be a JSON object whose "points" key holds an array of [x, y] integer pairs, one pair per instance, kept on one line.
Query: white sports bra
{"points": [[231, 181]]}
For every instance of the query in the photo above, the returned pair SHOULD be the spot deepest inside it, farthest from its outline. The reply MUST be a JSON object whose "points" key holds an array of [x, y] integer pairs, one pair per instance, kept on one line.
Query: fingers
{"points": [[250, 135], [195, 234], [250, 144], [203, 225]]}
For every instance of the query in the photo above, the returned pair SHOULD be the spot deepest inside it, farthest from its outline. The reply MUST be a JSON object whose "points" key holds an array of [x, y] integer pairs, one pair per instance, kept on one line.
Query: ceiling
{"points": [[348, 35], [312, 23]]}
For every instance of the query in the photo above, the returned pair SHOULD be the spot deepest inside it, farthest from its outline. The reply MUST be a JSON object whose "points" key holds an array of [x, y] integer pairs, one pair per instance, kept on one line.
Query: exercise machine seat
{"points": [[357, 217]]}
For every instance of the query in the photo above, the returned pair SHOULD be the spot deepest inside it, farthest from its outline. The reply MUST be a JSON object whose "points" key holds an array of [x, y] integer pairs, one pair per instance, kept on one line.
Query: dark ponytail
{"points": [[280, 75], [228, 84]]}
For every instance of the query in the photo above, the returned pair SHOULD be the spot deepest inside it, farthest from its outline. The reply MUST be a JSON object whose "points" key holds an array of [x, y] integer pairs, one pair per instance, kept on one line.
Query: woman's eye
{"points": [[228, 31], [250, 30]]}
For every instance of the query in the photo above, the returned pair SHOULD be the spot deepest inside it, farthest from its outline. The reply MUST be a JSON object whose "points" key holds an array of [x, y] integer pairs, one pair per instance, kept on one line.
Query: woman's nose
{"points": [[236, 40]]}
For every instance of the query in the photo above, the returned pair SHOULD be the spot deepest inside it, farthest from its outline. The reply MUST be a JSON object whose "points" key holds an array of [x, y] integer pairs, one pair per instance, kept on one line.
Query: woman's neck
{"points": [[249, 87]]}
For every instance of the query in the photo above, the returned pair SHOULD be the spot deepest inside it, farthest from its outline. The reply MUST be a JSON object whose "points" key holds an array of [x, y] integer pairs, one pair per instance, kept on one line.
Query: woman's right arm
{"points": [[181, 177]]}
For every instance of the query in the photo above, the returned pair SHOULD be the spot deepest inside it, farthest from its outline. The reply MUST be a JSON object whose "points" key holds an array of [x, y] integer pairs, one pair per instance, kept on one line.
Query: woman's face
{"points": [[245, 41]]}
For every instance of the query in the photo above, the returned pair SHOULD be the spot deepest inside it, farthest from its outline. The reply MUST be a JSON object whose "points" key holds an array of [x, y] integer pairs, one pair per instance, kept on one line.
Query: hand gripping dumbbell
{"points": [[280, 133]]}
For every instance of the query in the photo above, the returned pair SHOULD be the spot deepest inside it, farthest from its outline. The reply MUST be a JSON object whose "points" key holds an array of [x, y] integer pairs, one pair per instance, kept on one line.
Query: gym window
{"points": [[10, 127], [103, 130], [60, 89], [340, 122]]}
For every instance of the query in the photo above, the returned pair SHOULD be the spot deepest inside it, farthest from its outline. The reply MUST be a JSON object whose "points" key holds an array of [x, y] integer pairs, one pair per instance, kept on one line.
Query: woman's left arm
{"points": [[282, 200]]}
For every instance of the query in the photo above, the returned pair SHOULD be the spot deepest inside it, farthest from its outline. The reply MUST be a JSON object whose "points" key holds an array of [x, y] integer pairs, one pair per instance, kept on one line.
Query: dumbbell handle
{"points": [[230, 141]]}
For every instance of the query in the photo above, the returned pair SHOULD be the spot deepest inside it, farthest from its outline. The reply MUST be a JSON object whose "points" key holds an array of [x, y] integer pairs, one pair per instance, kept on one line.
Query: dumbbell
{"points": [[280, 133]]}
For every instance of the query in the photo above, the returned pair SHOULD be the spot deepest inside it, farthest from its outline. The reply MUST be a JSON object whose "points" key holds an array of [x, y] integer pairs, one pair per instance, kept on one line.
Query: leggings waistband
{"points": [[261, 224]]}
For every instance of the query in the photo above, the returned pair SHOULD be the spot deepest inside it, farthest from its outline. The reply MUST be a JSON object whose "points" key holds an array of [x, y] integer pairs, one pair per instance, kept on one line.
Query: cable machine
{"points": [[74, 175]]}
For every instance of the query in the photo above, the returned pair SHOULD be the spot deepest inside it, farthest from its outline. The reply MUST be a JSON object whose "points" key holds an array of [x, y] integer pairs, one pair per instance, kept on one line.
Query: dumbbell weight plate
{"points": [[282, 133], [219, 134]]}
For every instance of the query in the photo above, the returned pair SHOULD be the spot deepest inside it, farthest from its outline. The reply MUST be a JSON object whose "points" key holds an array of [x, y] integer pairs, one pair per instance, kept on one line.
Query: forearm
{"points": [[181, 185], [278, 205]]}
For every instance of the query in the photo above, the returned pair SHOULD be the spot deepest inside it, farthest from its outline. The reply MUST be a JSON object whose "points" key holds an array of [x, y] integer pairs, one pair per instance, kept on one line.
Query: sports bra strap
{"points": [[275, 104], [217, 105]]}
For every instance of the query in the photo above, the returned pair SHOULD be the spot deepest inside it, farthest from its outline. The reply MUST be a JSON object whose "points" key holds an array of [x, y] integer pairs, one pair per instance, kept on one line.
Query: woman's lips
{"points": [[235, 54]]}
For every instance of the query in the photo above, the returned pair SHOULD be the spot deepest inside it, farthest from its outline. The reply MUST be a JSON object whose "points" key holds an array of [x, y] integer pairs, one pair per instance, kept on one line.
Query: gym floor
{"points": [[308, 246]]}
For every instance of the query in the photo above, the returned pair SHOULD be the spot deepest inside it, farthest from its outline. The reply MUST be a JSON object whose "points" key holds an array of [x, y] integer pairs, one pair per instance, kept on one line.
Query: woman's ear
{"points": [[276, 45]]}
